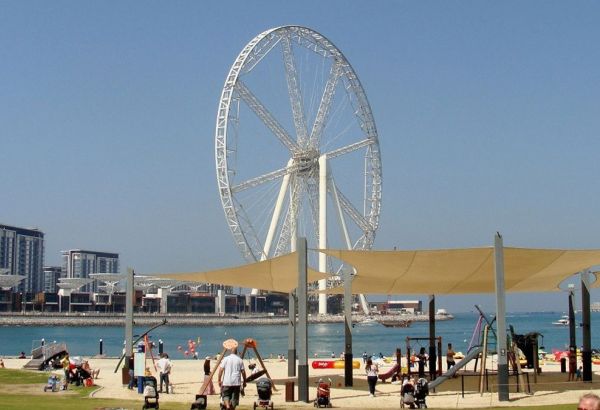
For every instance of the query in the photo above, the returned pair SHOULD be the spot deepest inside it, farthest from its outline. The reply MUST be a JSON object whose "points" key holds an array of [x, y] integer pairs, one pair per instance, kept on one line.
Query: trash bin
{"points": [[125, 376], [289, 391], [563, 365]]}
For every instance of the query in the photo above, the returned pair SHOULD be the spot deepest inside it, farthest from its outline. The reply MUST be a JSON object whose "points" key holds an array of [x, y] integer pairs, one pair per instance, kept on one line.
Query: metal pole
{"points": [[501, 318], [348, 328], [129, 315], [292, 335], [432, 353], [572, 336], [101, 347], [302, 322], [160, 346], [586, 354], [322, 231]]}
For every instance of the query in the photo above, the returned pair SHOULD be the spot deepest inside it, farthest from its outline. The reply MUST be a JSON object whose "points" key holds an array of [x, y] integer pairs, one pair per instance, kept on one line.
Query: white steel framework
{"points": [[295, 138]]}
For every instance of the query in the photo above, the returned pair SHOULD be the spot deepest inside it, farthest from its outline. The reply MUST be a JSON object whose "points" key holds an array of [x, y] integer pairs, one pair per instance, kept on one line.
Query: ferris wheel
{"points": [[295, 143]]}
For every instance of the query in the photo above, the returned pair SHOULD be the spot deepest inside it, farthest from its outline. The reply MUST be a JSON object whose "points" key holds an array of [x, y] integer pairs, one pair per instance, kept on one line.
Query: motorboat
{"points": [[563, 321], [367, 321]]}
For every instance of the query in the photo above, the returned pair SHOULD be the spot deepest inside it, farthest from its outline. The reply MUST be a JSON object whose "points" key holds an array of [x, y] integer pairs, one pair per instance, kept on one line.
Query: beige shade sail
{"points": [[461, 271], [279, 274]]}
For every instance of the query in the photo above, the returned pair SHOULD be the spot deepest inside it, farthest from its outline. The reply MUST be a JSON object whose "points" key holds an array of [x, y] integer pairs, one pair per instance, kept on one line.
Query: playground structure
{"points": [[411, 359], [479, 350], [230, 344], [396, 371]]}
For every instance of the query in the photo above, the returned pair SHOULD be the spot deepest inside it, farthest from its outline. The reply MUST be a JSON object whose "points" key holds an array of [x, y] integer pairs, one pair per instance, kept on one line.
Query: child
{"points": [[578, 373]]}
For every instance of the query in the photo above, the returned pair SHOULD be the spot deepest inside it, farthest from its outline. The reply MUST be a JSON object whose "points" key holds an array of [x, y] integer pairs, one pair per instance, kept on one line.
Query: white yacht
{"points": [[563, 321]]}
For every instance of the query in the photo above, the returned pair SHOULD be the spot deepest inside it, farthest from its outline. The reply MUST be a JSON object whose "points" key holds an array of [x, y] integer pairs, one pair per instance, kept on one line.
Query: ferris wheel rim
{"points": [[367, 122]]}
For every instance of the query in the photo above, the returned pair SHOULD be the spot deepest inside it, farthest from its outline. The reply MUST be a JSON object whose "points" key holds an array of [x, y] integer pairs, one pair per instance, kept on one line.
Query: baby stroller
{"points": [[150, 393], [264, 390], [421, 393], [323, 398], [407, 396], [52, 384]]}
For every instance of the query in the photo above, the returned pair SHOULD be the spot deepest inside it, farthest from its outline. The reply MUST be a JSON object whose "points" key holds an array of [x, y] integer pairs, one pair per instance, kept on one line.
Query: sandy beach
{"points": [[552, 387]]}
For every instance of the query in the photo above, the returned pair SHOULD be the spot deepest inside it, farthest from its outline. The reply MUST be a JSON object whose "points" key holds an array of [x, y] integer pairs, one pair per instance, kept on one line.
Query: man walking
{"points": [[164, 368], [232, 377]]}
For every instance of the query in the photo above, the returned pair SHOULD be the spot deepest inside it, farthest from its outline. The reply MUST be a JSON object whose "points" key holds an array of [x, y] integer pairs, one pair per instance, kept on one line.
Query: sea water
{"points": [[323, 339]]}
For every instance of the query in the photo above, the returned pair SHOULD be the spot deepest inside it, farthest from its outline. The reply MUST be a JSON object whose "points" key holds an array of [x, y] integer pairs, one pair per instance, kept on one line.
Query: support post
{"points": [[302, 328], [572, 335], [501, 319], [322, 231], [348, 327], [586, 354], [129, 315], [292, 335], [432, 352]]}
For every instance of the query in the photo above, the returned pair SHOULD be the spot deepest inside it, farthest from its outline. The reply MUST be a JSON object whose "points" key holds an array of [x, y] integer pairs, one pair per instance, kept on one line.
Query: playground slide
{"points": [[384, 376], [459, 365]]}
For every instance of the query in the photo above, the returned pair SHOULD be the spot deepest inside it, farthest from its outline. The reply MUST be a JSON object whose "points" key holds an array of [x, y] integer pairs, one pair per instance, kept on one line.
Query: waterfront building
{"points": [[78, 263], [22, 253], [51, 276]]}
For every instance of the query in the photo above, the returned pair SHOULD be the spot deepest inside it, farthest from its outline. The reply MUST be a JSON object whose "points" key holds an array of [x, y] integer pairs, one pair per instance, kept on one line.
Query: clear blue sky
{"points": [[488, 116]]}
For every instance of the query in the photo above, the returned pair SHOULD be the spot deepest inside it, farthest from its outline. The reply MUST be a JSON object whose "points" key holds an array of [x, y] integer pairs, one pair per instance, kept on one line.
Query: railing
{"points": [[48, 350]]}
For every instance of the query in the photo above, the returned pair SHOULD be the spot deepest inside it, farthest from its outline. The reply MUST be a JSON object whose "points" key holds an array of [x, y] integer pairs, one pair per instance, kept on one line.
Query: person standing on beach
{"points": [[372, 371], [450, 357], [164, 368], [232, 378], [589, 401], [66, 365]]}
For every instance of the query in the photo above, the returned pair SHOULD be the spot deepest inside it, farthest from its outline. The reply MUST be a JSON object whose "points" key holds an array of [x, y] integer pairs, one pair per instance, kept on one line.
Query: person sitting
{"points": [[22, 356], [93, 373]]}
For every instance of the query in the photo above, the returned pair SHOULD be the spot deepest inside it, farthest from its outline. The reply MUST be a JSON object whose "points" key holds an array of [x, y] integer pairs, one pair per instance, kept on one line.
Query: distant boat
{"points": [[396, 322], [442, 314], [367, 321], [563, 321]]}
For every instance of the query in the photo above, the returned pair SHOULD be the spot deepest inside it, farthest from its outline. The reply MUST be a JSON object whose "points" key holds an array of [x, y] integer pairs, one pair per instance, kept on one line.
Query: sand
{"points": [[551, 387]]}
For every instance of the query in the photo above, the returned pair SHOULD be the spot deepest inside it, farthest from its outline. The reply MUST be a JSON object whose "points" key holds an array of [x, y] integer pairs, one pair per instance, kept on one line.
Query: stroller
{"points": [[421, 393], [52, 384], [264, 390], [150, 393], [407, 396], [323, 398]]}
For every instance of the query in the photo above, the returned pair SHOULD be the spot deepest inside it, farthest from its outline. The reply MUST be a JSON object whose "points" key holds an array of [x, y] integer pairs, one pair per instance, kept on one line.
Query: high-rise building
{"points": [[22, 253], [79, 263], [51, 276]]}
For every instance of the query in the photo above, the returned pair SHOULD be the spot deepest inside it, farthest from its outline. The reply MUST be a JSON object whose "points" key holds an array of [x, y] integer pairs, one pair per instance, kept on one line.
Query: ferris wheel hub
{"points": [[307, 162]]}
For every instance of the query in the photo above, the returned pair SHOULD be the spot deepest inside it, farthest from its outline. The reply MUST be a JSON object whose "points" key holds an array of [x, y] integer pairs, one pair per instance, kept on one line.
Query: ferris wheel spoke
{"points": [[294, 91], [265, 116], [325, 105], [352, 212], [270, 176], [349, 148]]}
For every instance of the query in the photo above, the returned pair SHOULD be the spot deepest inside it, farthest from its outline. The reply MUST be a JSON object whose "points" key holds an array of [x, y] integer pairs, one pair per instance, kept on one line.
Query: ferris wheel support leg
{"points": [[322, 231], [340, 213], [275, 219]]}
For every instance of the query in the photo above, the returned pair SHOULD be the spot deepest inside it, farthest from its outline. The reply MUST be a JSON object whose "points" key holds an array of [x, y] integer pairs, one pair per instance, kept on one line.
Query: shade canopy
{"points": [[461, 271], [278, 274]]}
